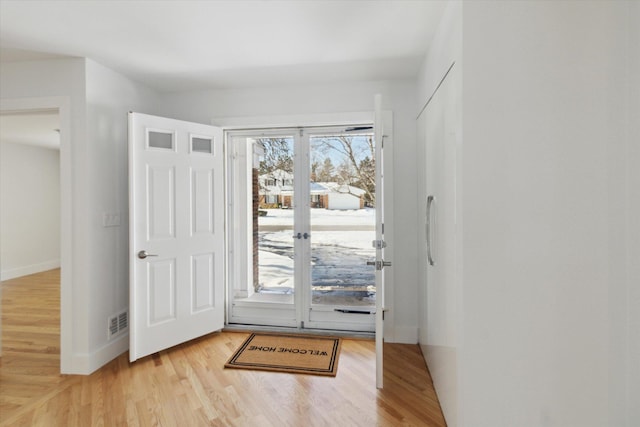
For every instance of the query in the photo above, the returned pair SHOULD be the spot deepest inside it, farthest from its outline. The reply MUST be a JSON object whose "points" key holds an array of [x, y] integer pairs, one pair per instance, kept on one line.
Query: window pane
{"points": [[274, 227], [201, 145], [342, 190], [162, 140]]}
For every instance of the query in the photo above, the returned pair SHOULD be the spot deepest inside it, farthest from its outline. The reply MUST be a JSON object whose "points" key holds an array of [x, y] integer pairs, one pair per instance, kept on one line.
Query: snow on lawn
{"points": [[349, 246], [365, 216], [355, 240], [276, 271]]}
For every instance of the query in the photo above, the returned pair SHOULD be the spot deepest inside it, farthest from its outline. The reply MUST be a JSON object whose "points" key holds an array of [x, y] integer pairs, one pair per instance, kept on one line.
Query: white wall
{"points": [[398, 96], [535, 238], [549, 327], [543, 309], [109, 96], [29, 209]]}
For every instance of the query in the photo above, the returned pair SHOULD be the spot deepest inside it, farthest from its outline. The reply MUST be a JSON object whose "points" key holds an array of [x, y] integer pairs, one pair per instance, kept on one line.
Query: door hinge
{"points": [[379, 244]]}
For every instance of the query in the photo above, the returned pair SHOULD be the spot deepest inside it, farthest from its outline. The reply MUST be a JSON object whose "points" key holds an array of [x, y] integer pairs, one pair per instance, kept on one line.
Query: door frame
{"points": [[321, 120], [321, 316], [63, 105], [281, 314]]}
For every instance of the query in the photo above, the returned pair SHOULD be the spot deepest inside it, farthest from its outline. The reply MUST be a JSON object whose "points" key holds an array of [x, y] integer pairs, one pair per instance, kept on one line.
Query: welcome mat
{"points": [[301, 354]]}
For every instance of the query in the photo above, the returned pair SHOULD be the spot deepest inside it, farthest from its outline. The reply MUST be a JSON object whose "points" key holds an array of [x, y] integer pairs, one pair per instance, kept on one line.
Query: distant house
{"points": [[331, 195], [276, 190]]}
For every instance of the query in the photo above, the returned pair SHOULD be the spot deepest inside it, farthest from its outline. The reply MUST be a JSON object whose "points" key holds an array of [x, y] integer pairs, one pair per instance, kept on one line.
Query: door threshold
{"points": [[235, 327]]}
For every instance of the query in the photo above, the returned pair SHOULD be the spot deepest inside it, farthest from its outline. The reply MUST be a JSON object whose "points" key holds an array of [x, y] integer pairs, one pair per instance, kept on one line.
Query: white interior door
{"points": [[379, 243], [176, 232]]}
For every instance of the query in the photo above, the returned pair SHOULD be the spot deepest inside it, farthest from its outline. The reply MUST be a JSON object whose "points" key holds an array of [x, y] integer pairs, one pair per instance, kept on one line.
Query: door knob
{"points": [[379, 264], [143, 254]]}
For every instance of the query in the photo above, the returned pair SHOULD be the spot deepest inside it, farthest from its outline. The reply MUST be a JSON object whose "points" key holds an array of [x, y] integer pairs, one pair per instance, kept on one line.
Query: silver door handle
{"points": [[430, 201], [143, 254], [379, 264]]}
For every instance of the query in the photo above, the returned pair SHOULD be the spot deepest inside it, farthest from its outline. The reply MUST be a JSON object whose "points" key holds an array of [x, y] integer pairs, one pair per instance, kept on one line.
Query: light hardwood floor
{"points": [[187, 384]]}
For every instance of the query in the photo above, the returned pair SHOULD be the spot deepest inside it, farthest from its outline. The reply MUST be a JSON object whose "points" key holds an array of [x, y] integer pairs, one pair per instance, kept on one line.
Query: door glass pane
{"points": [[273, 196], [342, 191], [201, 145], [160, 139]]}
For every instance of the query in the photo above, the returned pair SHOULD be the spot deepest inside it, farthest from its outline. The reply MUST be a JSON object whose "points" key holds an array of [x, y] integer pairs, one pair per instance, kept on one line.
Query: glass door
{"points": [[261, 213], [301, 225], [341, 291]]}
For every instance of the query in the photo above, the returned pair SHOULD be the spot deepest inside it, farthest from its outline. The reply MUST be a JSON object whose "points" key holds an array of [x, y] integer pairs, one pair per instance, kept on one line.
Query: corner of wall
{"points": [[109, 97]]}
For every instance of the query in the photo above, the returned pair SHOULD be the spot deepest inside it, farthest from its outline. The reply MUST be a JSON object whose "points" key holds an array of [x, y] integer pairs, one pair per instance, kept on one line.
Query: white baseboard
{"points": [[25, 270], [87, 363]]}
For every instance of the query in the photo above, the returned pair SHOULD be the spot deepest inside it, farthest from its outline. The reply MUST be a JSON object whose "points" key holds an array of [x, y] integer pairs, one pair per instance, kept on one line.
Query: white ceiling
{"points": [[38, 128], [186, 45]]}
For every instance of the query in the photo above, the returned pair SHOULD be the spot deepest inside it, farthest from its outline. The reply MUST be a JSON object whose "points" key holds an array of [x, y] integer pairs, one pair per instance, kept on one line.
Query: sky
{"points": [[319, 151]]}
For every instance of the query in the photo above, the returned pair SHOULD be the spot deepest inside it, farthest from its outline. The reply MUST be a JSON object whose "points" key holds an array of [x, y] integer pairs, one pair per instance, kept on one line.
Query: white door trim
{"points": [[292, 121], [63, 105]]}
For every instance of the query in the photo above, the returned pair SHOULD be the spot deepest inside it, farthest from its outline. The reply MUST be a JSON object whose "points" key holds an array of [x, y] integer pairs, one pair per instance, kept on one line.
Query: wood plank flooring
{"points": [[30, 363], [187, 384]]}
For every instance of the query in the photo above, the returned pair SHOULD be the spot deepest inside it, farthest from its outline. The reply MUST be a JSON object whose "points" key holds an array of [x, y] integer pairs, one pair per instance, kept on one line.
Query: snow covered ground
{"points": [[340, 247], [365, 216]]}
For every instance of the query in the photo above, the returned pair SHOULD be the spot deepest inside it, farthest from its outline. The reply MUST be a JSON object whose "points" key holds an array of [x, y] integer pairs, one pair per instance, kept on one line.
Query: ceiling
{"points": [[189, 45], [37, 128]]}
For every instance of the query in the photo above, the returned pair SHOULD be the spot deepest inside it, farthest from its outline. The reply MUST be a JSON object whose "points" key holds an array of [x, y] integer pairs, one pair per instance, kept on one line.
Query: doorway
{"points": [[60, 105], [30, 195], [30, 250], [302, 219]]}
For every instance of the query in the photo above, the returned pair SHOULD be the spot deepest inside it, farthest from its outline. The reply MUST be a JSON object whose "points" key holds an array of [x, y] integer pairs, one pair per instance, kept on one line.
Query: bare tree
{"points": [[315, 167], [367, 179], [327, 171], [278, 155], [345, 174], [358, 153]]}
